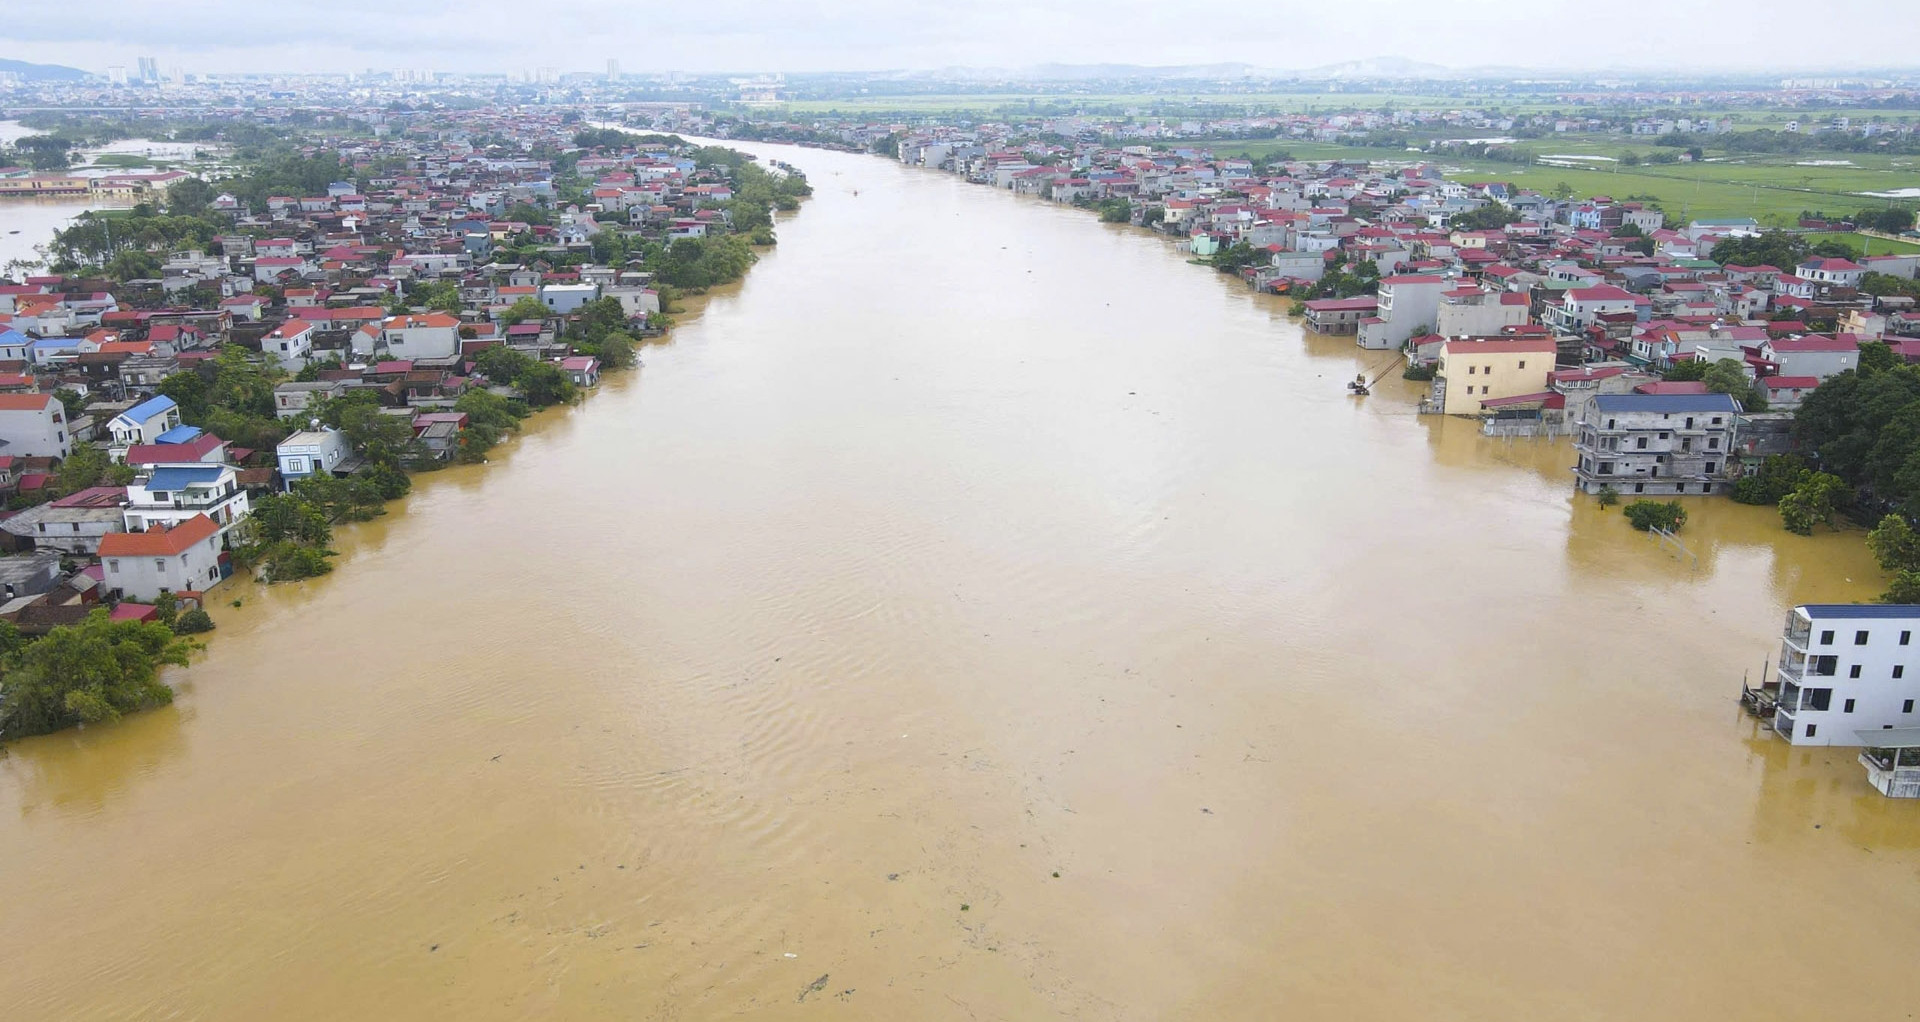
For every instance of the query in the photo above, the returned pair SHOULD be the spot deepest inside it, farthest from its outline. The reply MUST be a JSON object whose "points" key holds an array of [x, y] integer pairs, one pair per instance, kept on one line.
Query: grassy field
{"points": [[1771, 189], [1868, 246]]}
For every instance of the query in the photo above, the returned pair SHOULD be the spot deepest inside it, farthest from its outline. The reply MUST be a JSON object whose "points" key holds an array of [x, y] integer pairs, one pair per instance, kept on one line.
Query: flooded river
{"points": [[979, 614]]}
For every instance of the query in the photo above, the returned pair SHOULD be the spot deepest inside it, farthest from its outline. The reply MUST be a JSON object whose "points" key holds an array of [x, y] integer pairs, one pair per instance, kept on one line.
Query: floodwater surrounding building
{"points": [[979, 613]]}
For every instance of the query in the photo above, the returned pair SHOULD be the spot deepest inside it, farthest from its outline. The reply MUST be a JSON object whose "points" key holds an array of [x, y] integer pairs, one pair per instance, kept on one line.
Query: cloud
{"points": [[801, 35]]}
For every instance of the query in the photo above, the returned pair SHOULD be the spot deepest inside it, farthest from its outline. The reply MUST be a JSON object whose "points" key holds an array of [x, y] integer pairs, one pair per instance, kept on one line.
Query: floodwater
{"points": [[979, 613], [25, 223]]}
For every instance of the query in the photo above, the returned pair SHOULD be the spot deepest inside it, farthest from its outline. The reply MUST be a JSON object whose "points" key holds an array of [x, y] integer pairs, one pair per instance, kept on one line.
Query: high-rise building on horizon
{"points": [[149, 69], [613, 70]]}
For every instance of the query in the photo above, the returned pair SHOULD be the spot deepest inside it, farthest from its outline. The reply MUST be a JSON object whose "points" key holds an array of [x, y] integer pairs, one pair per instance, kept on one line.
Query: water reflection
{"points": [[80, 772]]}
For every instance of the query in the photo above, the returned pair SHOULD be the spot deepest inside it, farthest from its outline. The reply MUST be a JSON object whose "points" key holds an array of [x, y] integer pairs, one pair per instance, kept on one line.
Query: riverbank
{"points": [[1013, 561]]}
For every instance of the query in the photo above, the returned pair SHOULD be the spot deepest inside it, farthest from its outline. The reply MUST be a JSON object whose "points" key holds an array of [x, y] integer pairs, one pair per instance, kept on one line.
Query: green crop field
{"points": [[1865, 245]]}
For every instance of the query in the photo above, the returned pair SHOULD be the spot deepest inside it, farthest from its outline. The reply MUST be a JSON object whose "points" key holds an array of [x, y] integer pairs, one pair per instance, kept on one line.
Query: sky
{"points": [[210, 36]]}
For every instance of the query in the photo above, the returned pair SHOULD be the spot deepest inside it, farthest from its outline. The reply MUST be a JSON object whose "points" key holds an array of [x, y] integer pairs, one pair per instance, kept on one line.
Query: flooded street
{"points": [[979, 613]]}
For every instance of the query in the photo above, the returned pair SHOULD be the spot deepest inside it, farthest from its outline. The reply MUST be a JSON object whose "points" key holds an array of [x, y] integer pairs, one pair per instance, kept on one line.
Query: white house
{"points": [[1846, 668], [1815, 355], [1580, 307], [290, 342], [434, 335], [143, 423], [34, 425], [182, 559], [1471, 312], [564, 298], [1831, 272], [172, 494], [311, 452], [1409, 304]]}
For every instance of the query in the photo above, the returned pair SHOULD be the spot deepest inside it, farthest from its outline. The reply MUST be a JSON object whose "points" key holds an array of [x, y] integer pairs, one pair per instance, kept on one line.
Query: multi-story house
{"points": [[1655, 443], [1472, 372], [1408, 306], [182, 559], [1847, 670], [171, 494]]}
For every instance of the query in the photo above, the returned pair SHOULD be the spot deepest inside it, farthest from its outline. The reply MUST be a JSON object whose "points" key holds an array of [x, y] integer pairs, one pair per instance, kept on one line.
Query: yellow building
{"points": [[1471, 372]]}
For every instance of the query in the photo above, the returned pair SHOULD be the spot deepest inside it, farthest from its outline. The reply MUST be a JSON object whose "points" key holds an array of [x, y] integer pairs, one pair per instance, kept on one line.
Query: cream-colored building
{"points": [[1471, 372]]}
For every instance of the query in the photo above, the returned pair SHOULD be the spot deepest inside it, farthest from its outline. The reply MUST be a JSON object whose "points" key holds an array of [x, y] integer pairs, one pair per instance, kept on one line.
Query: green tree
{"points": [[1894, 544], [1814, 502], [1691, 370], [133, 264], [501, 364], [543, 384], [524, 310], [90, 673], [1729, 376], [285, 517], [190, 197], [1646, 515], [1779, 475]]}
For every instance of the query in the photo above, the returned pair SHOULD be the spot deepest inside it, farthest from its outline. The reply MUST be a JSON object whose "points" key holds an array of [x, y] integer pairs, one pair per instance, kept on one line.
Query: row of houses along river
{"points": [[979, 613]]}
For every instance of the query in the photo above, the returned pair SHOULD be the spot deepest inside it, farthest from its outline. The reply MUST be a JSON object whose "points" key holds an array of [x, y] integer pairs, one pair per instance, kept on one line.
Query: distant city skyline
{"points": [[305, 36]]}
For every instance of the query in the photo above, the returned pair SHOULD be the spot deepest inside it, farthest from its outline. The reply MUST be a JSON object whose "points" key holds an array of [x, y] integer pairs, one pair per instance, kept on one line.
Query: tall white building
{"points": [[1848, 669]]}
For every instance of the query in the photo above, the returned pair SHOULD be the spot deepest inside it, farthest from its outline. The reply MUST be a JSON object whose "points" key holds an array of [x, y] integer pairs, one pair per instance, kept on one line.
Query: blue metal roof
{"points": [[1861, 610], [1665, 403], [178, 435], [56, 342], [9, 335], [166, 480], [149, 408]]}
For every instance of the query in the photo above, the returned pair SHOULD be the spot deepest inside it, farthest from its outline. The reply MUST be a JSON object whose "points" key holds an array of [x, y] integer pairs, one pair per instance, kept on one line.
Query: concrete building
{"points": [[1815, 355], [1339, 315], [143, 423], [1408, 305], [311, 452], [1471, 312], [34, 426], [1644, 444], [290, 342], [1845, 669], [1471, 372], [182, 559]]}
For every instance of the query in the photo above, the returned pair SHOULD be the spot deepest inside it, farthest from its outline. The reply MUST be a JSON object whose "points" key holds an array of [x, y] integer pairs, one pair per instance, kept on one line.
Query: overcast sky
{"points": [[817, 35]]}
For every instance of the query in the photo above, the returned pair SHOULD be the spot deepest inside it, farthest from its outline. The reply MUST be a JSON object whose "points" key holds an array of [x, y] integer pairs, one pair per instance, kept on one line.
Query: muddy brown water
{"points": [[967, 543]]}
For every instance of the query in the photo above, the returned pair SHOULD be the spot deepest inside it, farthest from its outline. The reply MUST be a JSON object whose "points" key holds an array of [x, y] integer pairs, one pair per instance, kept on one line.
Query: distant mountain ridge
{"points": [[42, 72]]}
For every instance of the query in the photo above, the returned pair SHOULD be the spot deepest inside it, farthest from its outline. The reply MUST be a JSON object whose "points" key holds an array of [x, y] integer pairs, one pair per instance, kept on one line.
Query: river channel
{"points": [[979, 613]]}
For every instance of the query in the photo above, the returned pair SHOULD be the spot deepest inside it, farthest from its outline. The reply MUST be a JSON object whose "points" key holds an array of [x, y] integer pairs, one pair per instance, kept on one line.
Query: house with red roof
{"points": [[1815, 355], [183, 559], [34, 425]]}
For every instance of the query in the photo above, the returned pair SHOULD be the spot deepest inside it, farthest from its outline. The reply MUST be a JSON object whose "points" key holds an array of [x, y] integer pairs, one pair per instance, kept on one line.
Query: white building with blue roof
{"points": [[1846, 671], [171, 494], [13, 345], [142, 424]]}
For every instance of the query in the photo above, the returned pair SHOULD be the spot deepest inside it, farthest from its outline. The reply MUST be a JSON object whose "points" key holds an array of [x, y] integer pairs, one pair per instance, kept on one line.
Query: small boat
{"points": [[1359, 386]]}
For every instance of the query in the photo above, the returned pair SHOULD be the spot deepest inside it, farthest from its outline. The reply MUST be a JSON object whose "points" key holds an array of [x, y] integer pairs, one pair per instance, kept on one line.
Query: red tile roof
{"points": [[158, 542]]}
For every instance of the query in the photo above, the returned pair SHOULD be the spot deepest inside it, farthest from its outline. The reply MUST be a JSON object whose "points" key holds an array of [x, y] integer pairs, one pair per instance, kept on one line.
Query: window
{"points": [[1823, 666], [1472, 370], [1846, 707], [1716, 420], [1899, 670], [1664, 434], [1906, 707], [1854, 671], [1610, 423], [1812, 729], [114, 565], [1816, 699], [159, 564], [1689, 422], [1712, 467], [1826, 638], [1523, 363], [1639, 487], [1905, 637], [1860, 638], [1640, 442]]}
